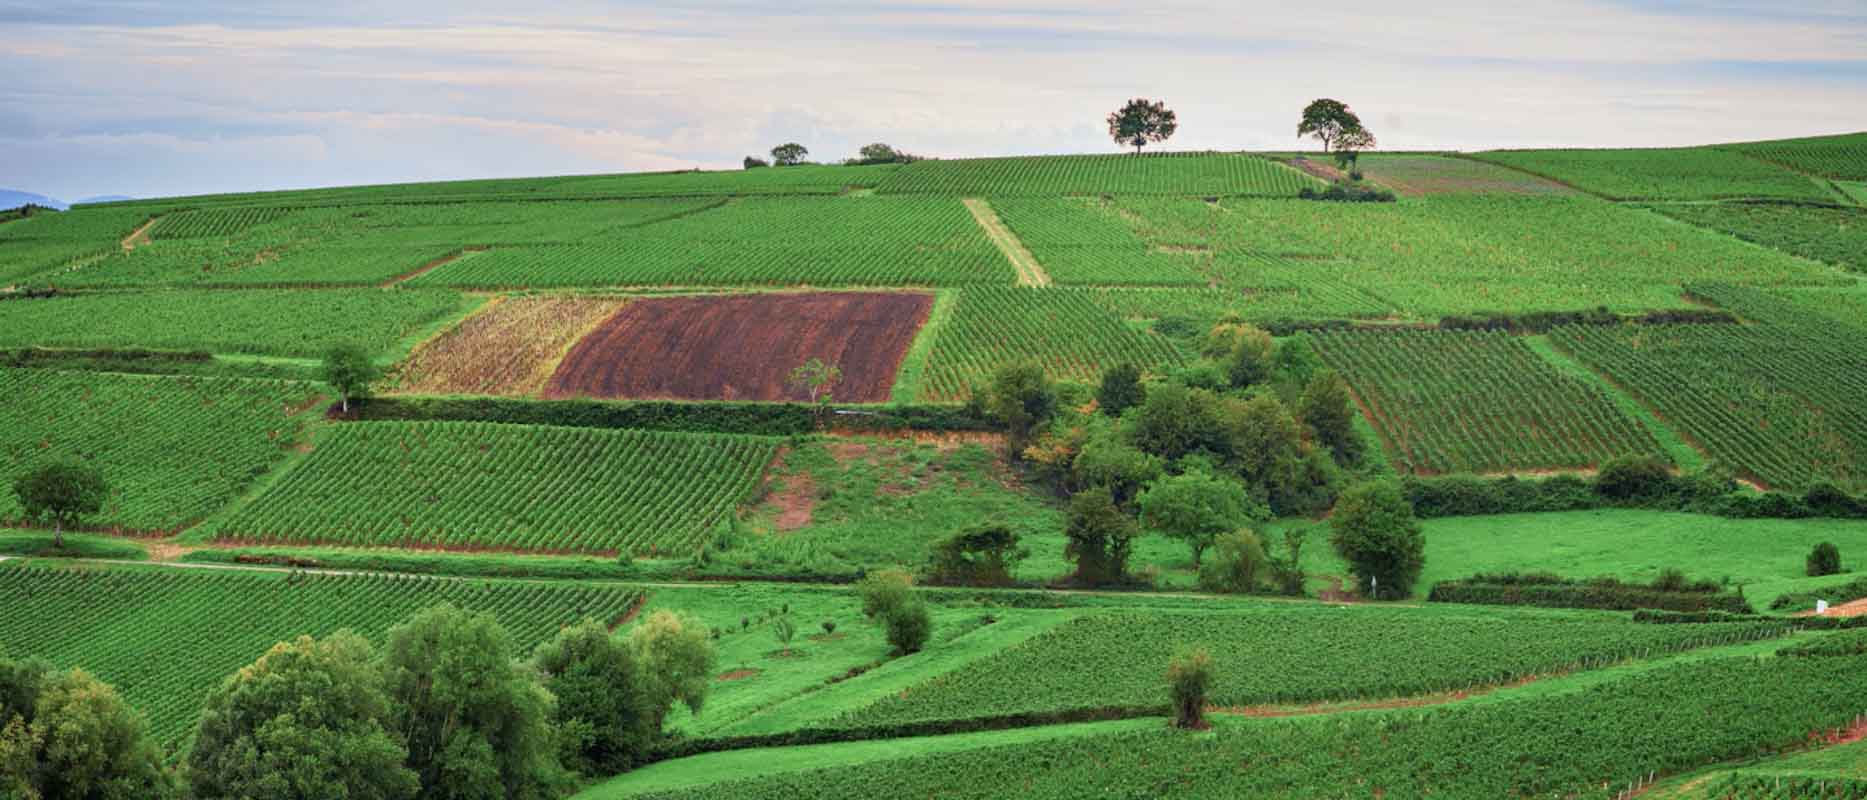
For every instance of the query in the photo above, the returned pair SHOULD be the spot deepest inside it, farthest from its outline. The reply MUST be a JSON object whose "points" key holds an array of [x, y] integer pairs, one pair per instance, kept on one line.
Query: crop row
{"points": [[44, 242], [1782, 407], [1113, 661], [475, 485], [172, 449], [1190, 174], [1587, 744], [164, 637], [1841, 157], [1475, 401], [255, 321], [1834, 235], [1064, 330], [509, 347], [1692, 173]]}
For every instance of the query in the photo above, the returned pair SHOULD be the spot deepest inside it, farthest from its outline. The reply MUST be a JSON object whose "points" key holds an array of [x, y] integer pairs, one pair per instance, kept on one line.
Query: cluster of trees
{"points": [[888, 596], [444, 710], [791, 154], [1252, 431]]}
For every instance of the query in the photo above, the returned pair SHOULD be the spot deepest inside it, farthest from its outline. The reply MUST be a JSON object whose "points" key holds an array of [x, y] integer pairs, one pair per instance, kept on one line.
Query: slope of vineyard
{"points": [[1190, 174], [260, 322], [1420, 175], [1062, 329], [858, 241], [509, 347], [1686, 173], [165, 637], [1835, 235], [172, 449], [1842, 157], [489, 486], [1458, 401], [36, 247]]}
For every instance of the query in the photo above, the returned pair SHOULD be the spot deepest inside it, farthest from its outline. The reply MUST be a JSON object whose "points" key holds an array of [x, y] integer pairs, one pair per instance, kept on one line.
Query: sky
{"points": [[148, 98]]}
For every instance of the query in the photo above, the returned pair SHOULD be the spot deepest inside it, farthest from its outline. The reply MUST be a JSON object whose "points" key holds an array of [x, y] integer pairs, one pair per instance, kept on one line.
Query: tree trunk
{"points": [[58, 533], [343, 401]]}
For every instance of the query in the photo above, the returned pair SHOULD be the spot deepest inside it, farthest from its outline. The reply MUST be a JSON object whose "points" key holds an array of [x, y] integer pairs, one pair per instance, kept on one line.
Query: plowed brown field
{"points": [[743, 347]]}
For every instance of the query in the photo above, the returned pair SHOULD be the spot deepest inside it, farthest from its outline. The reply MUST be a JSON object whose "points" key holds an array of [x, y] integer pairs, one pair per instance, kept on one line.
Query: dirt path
{"points": [[433, 265], [1856, 608], [140, 236], [1030, 273]]}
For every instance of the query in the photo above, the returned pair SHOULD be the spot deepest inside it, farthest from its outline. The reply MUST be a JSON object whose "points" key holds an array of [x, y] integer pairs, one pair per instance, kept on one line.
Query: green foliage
{"points": [[1633, 477], [1834, 235], [908, 626], [983, 556], [1456, 401], [1329, 121], [396, 483], [1245, 353], [1843, 157], [476, 724], [1196, 507], [259, 322], [603, 715], [1120, 390], [1692, 173], [1825, 559], [750, 418], [1174, 421], [788, 154], [63, 492], [44, 245], [1237, 564], [1022, 399], [1669, 592], [68, 736], [676, 657], [883, 590], [1100, 538], [349, 372], [1328, 410], [1373, 529], [102, 618], [173, 448], [1063, 330], [310, 718], [1181, 174], [1189, 676], [1141, 122]]}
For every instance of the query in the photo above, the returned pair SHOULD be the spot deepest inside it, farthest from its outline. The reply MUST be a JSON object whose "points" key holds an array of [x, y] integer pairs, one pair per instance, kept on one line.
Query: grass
{"points": [[38, 544]]}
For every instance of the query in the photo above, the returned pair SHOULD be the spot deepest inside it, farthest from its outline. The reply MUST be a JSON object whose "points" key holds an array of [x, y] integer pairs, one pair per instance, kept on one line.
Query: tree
{"points": [[604, 718], [1348, 147], [1174, 420], [1373, 529], [1023, 399], [788, 154], [676, 658], [1266, 444], [815, 378], [63, 492], [1106, 460], [1100, 537], [1237, 563], [909, 625], [476, 724], [68, 736], [349, 371], [982, 556], [309, 719], [1142, 121], [1196, 507], [754, 162], [880, 591], [1245, 352], [1825, 559], [1327, 409], [1189, 676], [1633, 477], [1327, 120], [879, 153], [1121, 389]]}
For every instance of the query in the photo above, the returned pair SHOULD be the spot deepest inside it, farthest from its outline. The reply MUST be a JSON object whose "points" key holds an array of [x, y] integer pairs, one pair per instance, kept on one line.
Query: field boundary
{"points": [[1684, 454], [1030, 273], [465, 252]]}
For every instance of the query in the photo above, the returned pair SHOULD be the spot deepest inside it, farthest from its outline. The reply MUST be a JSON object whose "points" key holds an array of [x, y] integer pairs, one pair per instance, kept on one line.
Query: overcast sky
{"points": [[149, 98]]}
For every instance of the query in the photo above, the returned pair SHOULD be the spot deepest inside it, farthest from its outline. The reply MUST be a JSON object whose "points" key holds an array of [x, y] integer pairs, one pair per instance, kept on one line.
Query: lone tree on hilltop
{"points": [[788, 154], [349, 371], [1142, 121], [1348, 148], [881, 153], [63, 492], [1329, 120]]}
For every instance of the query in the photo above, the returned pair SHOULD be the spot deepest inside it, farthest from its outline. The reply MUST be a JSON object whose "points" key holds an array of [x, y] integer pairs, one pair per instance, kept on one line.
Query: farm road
{"points": [[1030, 273]]}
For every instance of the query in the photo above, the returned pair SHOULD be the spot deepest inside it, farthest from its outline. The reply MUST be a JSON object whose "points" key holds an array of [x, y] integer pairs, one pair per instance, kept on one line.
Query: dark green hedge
{"points": [[1600, 594], [762, 419], [1463, 495]]}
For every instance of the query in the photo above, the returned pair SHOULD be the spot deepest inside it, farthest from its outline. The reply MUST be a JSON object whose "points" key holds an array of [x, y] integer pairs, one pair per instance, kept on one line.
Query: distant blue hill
{"points": [[14, 199], [105, 198]]}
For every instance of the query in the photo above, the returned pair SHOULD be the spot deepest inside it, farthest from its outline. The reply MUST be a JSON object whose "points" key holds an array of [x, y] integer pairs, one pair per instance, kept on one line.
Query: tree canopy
{"points": [[789, 154], [1328, 121], [349, 371], [63, 492], [68, 736], [1141, 122], [1374, 530]]}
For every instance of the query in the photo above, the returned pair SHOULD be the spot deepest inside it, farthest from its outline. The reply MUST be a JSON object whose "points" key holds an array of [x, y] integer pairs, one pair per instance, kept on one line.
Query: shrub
{"points": [[67, 735], [1825, 559], [603, 711], [884, 590], [1374, 530], [1196, 507], [1189, 676], [1634, 478], [909, 626], [1022, 399], [1100, 537], [1120, 390], [829, 627], [1236, 564], [983, 556]]}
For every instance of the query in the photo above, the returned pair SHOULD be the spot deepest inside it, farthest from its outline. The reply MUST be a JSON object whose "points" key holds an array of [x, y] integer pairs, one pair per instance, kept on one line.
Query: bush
{"points": [[67, 735], [1825, 559], [1236, 565], [983, 556], [1100, 538], [1347, 193], [1022, 399], [1670, 592], [1189, 676], [1634, 478], [909, 626], [1120, 390], [1374, 530], [603, 714], [884, 590], [1196, 507]]}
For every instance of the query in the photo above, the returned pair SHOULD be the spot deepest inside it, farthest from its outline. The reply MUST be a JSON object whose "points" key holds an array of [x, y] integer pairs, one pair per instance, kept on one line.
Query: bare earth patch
{"points": [[737, 675], [510, 347]]}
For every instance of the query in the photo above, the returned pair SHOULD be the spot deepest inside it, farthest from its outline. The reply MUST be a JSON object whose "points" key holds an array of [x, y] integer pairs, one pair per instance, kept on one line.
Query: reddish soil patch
{"points": [[743, 347], [794, 502], [1318, 169], [1857, 608], [736, 675]]}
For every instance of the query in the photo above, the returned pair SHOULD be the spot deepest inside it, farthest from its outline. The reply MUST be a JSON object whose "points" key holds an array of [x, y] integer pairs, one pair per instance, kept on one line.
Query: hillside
{"points": [[1624, 391]]}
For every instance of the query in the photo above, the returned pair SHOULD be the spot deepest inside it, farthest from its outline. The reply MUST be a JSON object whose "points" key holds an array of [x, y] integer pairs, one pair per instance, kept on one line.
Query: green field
{"points": [[257, 322], [1064, 330], [1690, 173], [33, 250], [504, 487], [172, 449], [1842, 157], [1450, 401], [1185, 174], [164, 637], [1420, 175], [1834, 235]]}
